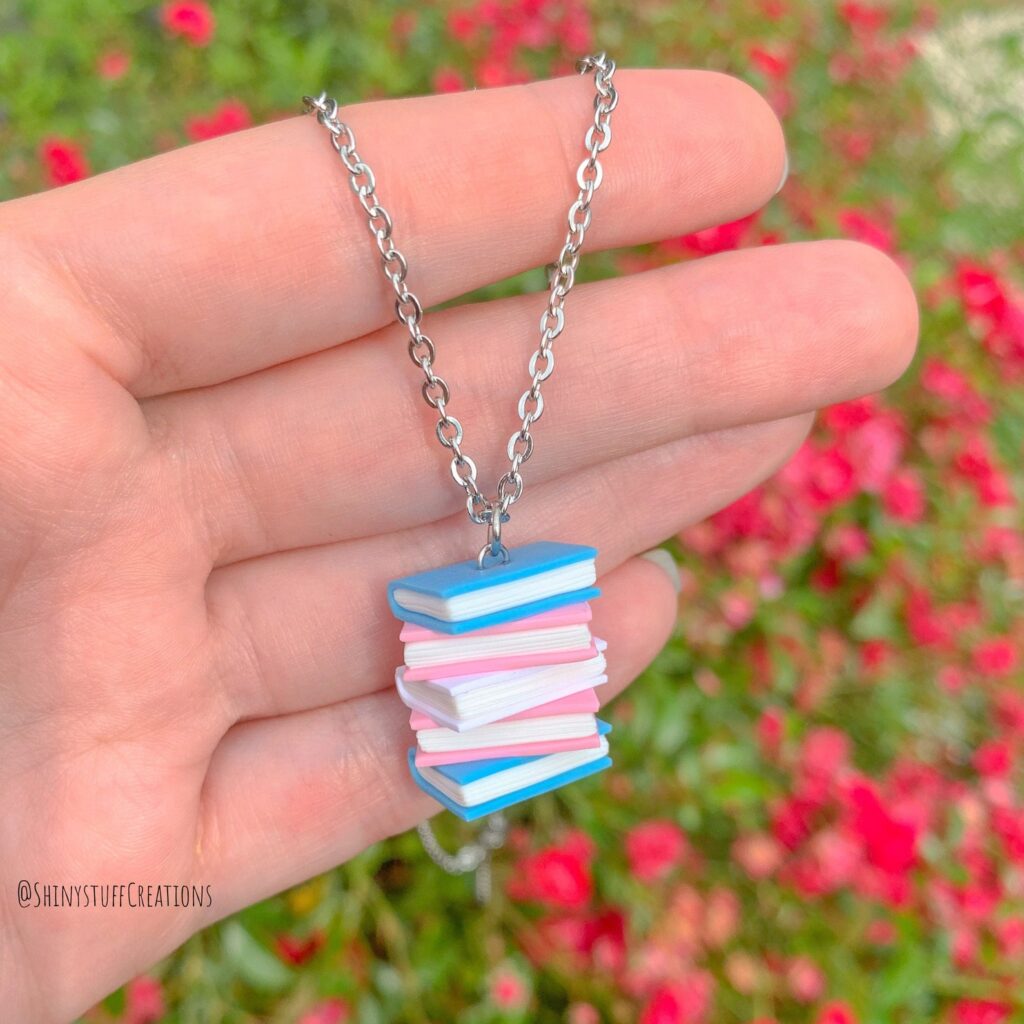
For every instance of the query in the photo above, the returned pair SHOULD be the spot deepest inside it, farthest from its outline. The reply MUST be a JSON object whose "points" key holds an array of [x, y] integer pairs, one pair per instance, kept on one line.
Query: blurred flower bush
{"points": [[816, 812]]}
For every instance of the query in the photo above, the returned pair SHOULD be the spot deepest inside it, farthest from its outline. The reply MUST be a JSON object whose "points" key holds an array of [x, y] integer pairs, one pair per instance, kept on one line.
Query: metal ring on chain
{"points": [[494, 516], [409, 310]]}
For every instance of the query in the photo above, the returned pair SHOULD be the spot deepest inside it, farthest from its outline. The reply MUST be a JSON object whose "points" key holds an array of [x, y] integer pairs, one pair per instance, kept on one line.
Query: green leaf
{"points": [[252, 962]]}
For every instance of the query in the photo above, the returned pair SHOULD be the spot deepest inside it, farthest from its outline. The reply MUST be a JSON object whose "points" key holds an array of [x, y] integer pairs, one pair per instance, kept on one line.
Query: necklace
{"points": [[500, 665]]}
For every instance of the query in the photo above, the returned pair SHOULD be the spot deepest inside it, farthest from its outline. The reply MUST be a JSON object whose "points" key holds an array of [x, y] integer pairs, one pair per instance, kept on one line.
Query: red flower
{"points": [[831, 479], [1010, 710], [863, 17], [926, 625], [848, 543], [770, 63], [462, 25], [508, 990], [846, 417], [1009, 826], [981, 291], [330, 1011], [903, 496], [654, 848], [889, 844], [857, 146], [770, 728], [988, 300], [824, 753], [297, 951], [143, 1001], [113, 64], [575, 30], [996, 658], [680, 1002], [716, 239], [943, 380], [230, 116], [836, 1013], [873, 654], [586, 940], [448, 80], [976, 465], [792, 821], [980, 1011], [874, 446], [558, 877], [64, 161], [993, 759], [1010, 934], [805, 979], [858, 225], [190, 19]]}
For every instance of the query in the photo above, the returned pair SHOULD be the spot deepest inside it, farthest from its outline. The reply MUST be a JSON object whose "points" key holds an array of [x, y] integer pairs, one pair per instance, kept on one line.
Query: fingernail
{"points": [[785, 172], [663, 560]]}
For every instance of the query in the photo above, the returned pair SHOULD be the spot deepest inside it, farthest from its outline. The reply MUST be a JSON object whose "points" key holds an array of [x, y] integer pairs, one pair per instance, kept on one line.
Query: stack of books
{"points": [[500, 670]]}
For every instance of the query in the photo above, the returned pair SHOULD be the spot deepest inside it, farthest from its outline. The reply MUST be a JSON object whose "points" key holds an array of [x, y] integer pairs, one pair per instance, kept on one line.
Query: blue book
{"points": [[462, 597], [474, 789]]}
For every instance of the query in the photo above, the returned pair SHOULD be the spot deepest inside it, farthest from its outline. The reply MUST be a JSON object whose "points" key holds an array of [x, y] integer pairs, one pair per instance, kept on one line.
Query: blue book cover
{"points": [[462, 578], [518, 796]]}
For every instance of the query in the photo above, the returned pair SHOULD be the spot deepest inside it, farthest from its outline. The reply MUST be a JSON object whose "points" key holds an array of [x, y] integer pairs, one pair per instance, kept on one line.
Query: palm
{"points": [[214, 459]]}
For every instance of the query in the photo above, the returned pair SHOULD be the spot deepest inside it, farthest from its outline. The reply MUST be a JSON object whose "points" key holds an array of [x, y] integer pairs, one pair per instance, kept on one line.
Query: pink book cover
{"points": [[512, 750], [585, 702], [506, 663], [570, 615]]}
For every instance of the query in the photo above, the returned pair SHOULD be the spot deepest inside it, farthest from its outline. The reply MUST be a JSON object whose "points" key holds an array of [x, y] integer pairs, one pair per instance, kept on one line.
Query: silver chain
{"points": [[491, 512], [475, 856]]}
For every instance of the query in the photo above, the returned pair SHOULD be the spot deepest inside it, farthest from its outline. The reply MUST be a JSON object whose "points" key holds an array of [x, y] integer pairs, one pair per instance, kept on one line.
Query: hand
{"points": [[214, 455]]}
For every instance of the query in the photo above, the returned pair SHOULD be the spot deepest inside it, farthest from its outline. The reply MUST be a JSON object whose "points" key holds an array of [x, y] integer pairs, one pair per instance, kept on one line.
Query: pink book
{"points": [[511, 750], [583, 703], [570, 615], [506, 663]]}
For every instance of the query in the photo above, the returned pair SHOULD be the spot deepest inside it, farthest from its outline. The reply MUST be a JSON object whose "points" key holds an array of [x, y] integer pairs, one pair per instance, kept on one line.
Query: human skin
{"points": [[214, 455]]}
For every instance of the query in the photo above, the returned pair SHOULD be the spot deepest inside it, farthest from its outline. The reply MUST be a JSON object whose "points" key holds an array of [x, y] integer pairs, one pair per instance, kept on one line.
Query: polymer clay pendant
{"points": [[500, 674], [500, 666]]}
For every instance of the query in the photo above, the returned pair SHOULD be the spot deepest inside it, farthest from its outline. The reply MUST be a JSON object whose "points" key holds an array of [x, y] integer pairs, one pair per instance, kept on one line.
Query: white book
{"points": [[468, 702], [498, 784]]}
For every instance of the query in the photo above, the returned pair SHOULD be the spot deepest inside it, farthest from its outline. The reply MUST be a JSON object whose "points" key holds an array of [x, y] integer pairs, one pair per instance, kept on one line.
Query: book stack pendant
{"points": [[500, 675]]}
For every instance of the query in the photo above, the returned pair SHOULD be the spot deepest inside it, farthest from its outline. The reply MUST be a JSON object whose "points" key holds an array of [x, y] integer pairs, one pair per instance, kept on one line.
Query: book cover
{"points": [[504, 592], [515, 797]]}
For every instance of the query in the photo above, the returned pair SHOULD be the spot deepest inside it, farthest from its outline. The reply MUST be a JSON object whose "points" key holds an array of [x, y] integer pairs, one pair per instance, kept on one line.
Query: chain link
{"points": [[475, 856], [491, 512]]}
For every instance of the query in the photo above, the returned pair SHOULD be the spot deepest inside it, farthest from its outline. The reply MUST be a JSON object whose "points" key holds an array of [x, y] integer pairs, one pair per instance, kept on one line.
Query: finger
{"points": [[226, 257], [289, 797], [748, 336], [311, 627]]}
